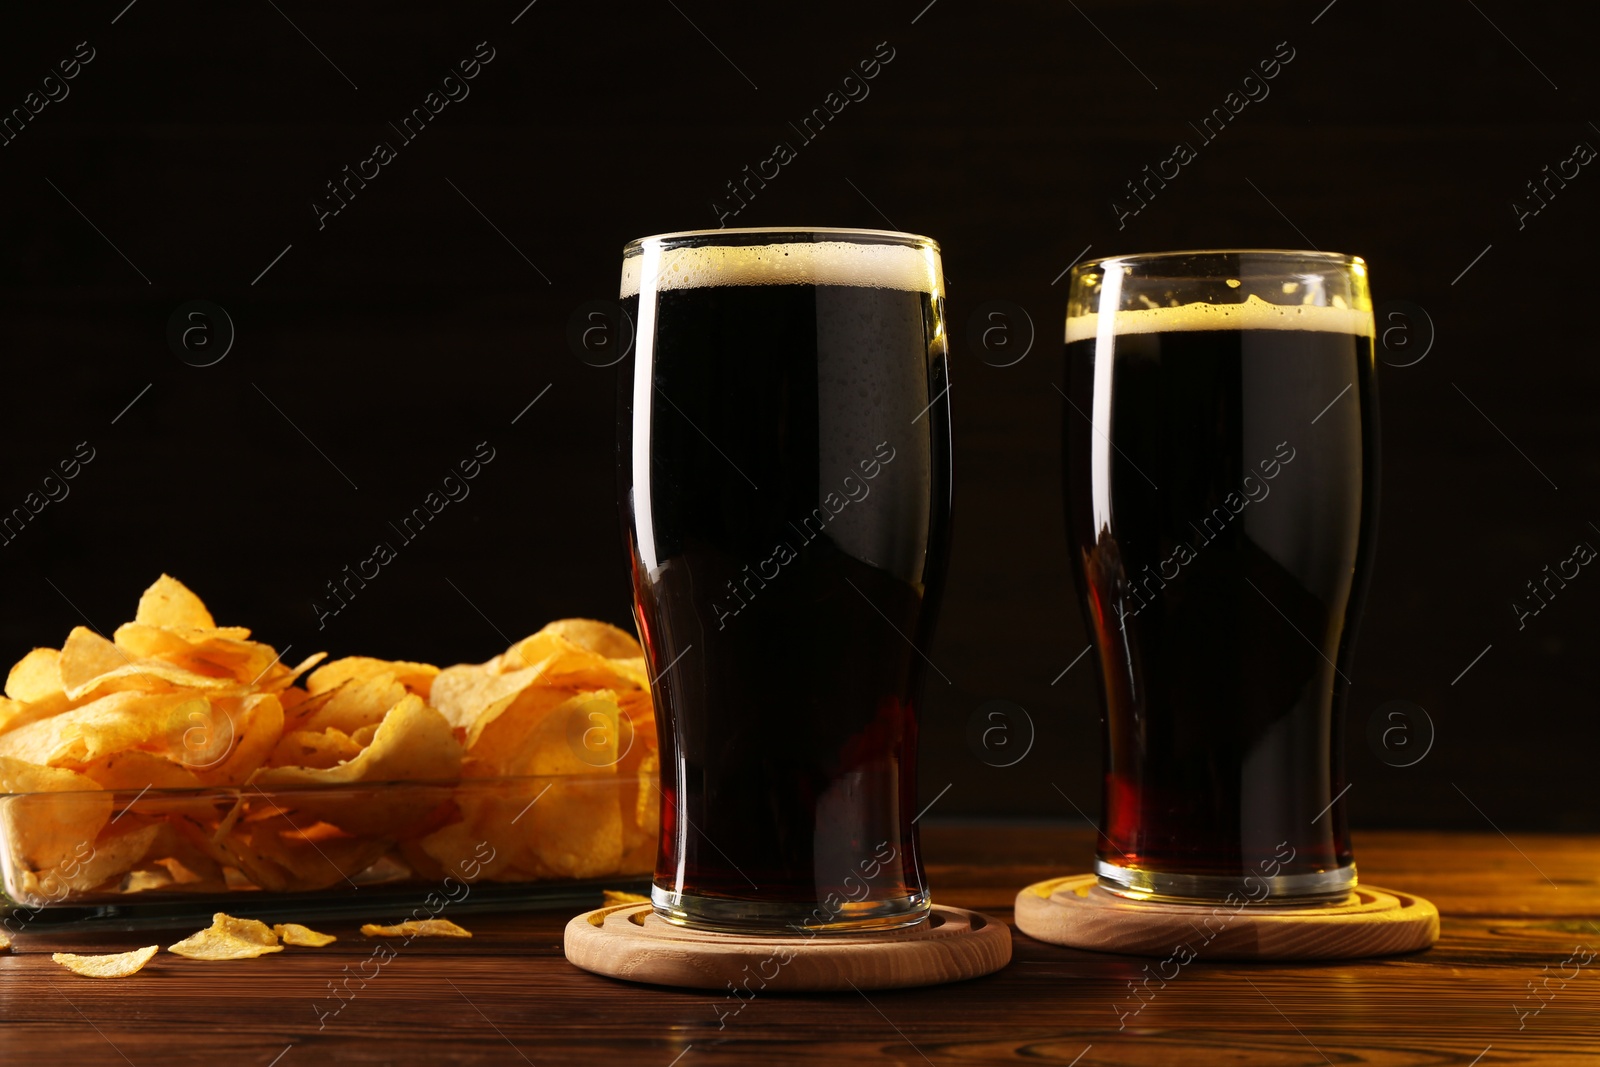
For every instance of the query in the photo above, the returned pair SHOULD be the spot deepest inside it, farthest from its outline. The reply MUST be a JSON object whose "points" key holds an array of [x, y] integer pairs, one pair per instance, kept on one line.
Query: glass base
{"points": [[1318, 887], [731, 915]]}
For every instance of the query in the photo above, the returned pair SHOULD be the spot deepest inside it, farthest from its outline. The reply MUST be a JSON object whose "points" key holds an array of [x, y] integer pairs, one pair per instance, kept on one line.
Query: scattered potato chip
{"points": [[116, 965], [228, 938], [295, 934], [416, 928], [619, 896], [252, 930], [5, 940]]}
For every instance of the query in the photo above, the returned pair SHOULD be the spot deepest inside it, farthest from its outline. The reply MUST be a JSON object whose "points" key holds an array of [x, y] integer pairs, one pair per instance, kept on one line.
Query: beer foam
{"points": [[874, 266], [1253, 314]]}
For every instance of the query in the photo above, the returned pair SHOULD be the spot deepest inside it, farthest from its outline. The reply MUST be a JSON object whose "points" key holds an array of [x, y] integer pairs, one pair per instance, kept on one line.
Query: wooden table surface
{"points": [[1515, 978]]}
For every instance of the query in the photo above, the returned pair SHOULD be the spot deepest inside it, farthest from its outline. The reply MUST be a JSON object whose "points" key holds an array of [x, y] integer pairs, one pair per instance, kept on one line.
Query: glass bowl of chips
{"points": [[179, 762]]}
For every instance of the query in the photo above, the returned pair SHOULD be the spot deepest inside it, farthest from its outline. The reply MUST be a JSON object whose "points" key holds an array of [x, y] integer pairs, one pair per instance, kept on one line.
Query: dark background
{"points": [[380, 349]]}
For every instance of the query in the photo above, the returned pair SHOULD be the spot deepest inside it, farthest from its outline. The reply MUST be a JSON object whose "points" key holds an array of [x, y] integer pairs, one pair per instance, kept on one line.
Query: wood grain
{"points": [[1504, 926], [1077, 913], [630, 941]]}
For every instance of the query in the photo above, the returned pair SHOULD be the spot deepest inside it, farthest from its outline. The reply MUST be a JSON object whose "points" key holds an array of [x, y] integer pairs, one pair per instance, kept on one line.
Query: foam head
{"points": [[911, 268], [1252, 314]]}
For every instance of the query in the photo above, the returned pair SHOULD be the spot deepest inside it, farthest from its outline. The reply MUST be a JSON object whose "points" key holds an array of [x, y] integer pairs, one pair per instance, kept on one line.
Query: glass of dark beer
{"points": [[784, 475], [1221, 482]]}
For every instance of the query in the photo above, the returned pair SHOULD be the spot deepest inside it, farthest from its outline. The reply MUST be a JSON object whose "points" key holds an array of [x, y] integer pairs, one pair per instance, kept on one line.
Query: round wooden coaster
{"points": [[1076, 912], [631, 941]]}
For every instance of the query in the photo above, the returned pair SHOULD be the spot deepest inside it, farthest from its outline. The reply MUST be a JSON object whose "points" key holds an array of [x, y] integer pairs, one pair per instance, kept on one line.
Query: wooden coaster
{"points": [[631, 941], [1076, 912]]}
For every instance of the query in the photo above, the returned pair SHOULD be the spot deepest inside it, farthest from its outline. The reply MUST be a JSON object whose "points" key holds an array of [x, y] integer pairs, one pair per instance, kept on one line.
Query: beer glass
{"points": [[1221, 479], [784, 476]]}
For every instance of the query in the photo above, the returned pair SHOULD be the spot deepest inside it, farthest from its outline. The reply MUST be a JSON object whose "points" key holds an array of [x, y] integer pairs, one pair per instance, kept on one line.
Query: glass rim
{"points": [[1345, 259], [913, 240]]}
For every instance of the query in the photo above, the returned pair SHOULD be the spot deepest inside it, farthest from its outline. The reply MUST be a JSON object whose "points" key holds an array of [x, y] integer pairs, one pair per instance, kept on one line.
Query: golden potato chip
{"points": [[256, 724], [314, 855], [49, 830], [156, 722], [295, 934], [609, 641], [417, 677], [416, 928], [168, 602], [112, 855], [559, 661], [15, 714], [357, 703], [228, 850], [221, 654], [363, 737], [36, 676], [134, 769], [116, 965], [469, 696], [314, 748], [252, 930], [90, 664], [618, 896], [228, 938], [413, 743], [213, 945], [5, 941]]}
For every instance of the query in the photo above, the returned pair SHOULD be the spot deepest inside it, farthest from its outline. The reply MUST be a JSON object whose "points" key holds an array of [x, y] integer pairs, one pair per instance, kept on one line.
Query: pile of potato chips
{"points": [[183, 757]]}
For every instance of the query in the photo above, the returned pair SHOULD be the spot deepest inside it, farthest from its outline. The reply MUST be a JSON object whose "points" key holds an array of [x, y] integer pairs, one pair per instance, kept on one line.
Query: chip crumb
{"points": [[295, 934], [416, 928], [621, 896], [116, 965]]}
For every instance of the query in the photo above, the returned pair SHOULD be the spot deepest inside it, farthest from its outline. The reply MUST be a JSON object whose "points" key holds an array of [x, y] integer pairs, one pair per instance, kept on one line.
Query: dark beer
{"points": [[1221, 484], [785, 477]]}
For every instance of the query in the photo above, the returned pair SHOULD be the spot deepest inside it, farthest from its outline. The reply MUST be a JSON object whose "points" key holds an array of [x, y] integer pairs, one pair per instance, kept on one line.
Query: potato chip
{"points": [[134, 769], [168, 602], [413, 743], [295, 934], [36, 676], [5, 941], [559, 661], [255, 723], [116, 965], [618, 896], [156, 722], [358, 703], [14, 714], [47, 830], [314, 748], [228, 938], [252, 930], [111, 856], [313, 855], [609, 641], [416, 928], [417, 677]]}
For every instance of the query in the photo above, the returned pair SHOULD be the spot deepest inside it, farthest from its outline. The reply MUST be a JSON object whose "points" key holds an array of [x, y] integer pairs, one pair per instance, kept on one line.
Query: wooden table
{"points": [[1512, 914]]}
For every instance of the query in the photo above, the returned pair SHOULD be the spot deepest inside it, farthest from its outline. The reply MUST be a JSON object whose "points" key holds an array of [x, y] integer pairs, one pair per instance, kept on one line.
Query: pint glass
{"points": [[784, 476], [1221, 478]]}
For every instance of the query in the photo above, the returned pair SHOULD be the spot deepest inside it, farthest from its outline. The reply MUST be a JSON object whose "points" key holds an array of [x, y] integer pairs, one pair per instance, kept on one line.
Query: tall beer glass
{"points": [[784, 469], [1221, 479]]}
